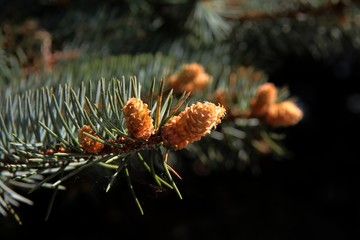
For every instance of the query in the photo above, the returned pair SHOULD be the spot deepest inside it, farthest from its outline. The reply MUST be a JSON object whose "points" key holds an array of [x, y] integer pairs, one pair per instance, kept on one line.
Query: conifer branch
{"points": [[253, 107], [90, 126]]}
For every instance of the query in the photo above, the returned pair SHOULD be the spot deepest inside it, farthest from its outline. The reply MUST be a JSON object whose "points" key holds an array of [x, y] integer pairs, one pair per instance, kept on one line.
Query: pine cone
{"points": [[265, 96], [88, 144], [285, 113], [191, 124], [191, 78], [138, 120]]}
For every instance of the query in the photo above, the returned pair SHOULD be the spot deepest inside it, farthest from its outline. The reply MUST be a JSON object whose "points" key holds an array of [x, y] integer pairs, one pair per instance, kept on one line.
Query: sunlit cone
{"points": [[265, 96], [191, 124], [138, 120], [190, 78], [285, 113], [88, 144]]}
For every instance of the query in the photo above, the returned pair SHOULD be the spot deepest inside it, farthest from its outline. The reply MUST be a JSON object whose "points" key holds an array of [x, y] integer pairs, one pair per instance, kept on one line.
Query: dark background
{"points": [[314, 195]]}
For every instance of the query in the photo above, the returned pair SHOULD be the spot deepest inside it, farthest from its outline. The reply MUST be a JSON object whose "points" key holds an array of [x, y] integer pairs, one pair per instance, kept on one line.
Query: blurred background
{"points": [[312, 47]]}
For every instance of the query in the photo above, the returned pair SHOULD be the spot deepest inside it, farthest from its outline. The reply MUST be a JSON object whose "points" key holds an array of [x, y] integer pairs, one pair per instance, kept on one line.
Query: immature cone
{"points": [[88, 144], [191, 78], [191, 124], [285, 113], [138, 120], [265, 96]]}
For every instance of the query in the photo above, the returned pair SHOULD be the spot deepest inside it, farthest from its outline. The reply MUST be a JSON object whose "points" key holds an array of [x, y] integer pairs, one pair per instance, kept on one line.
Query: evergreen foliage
{"points": [[75, 66]]}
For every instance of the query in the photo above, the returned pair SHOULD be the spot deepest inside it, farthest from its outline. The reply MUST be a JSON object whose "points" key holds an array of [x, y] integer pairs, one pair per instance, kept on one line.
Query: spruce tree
{"points": [[137, 87]]}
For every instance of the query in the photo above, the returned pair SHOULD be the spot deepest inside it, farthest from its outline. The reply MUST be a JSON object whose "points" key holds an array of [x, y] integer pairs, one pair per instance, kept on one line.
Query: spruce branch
{"points": [[256, 111], [260, 10], [206, 24], [107, 125]]}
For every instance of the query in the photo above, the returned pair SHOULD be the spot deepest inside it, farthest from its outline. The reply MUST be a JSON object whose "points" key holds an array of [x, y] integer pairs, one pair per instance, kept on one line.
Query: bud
{"points": [[265, 96], [191, 78], [88, 144], [285, 113], [138, 120], [191, 124]]}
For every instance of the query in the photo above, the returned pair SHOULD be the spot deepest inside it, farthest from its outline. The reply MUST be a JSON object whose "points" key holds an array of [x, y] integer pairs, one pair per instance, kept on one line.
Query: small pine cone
{"points": [[191, 78], [191, 124], [285, 113], [138, 120], [265, 96], [87, 143]]}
